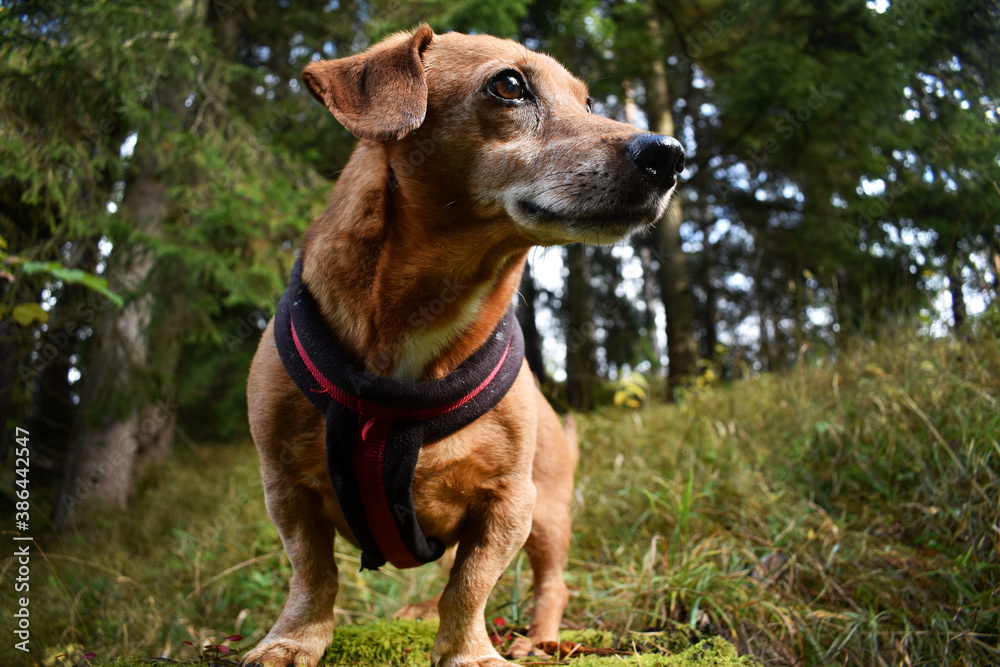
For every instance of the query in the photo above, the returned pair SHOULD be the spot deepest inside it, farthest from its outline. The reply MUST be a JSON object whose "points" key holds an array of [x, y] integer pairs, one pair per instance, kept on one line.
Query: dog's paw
{"points": [[425, 610], [469, 658], [487, 661], [282, 653], [523, 647]]}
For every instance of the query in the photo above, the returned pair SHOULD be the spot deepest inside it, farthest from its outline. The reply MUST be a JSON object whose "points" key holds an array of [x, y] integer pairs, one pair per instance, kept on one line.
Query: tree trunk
{"points": [[765, 353], [158, 416], [995, 267], [955, 283], [116, 389], [675, 284], [581, 350], [13, 342], [103, 452], [52, 407], [709, 314], [649, 296], [526, 317], [53, 412]]}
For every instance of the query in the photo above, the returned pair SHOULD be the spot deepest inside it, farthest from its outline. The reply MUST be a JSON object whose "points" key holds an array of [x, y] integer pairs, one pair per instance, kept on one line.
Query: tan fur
{"points": [[413, 263]]}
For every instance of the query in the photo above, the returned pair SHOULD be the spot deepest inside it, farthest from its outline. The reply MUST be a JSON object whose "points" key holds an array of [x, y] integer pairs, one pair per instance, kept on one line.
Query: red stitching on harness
{"points": [[336, 394]]}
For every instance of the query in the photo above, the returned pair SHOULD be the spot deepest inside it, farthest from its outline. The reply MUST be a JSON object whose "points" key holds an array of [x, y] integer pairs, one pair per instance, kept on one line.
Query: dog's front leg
{"points": [[303, 631], [486, 547]]}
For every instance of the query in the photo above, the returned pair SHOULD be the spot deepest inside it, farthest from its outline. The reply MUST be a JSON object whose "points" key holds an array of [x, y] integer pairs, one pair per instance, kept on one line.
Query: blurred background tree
{"points": [[158, 164]]}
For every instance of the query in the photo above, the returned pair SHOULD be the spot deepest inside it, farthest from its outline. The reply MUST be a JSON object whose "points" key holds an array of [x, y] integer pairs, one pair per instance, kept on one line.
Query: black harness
{"points": [[375, 426]]}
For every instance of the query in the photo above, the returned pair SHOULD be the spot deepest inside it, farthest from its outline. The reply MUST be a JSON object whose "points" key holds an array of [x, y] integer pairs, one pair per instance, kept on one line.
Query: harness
{"points": [[375, 426]]}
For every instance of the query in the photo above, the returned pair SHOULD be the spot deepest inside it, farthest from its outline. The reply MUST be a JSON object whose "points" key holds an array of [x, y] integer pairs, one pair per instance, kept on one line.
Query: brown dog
{"points": [[473, 149]]}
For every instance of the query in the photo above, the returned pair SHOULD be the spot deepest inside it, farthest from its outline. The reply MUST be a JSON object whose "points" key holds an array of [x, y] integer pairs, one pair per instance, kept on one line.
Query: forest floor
{"points": [[845, 512]]}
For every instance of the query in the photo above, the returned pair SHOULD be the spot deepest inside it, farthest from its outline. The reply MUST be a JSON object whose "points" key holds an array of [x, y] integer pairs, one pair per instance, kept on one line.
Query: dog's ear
{"points": [[380, 94]]}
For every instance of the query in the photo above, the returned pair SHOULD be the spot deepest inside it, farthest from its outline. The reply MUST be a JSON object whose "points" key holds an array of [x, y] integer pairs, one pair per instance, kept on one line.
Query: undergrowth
{"points": [[845, 512]]}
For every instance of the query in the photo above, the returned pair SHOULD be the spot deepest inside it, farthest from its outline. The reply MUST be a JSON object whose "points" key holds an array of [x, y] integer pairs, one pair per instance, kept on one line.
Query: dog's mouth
{"points": [[603, 226], [533, 210]]}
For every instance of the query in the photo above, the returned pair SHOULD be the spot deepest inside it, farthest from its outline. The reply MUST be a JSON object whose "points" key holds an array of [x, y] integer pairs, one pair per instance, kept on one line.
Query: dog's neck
{"points": [[403, 297]]}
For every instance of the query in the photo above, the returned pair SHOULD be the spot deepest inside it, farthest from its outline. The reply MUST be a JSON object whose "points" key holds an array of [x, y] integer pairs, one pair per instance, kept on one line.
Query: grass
{"points": [[843, 513]]}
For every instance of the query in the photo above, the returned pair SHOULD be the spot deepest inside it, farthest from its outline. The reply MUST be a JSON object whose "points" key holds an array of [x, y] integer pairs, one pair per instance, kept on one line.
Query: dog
{"points": [[472, 151]]}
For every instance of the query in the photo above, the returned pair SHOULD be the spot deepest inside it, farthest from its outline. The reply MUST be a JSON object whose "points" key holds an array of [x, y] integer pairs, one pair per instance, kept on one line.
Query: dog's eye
{"points": [[507, 85], [590, 105]]}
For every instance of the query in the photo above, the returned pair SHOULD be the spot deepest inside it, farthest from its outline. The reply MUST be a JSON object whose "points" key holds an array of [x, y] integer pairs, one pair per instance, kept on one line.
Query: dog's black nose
{"points": [[660, 156]]}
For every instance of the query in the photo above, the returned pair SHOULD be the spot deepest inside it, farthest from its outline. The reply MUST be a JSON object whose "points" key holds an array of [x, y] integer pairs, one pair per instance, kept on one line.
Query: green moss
{"points": [[401, 642], [677, 639], [409, 643], [588, 637], [711, 652]]}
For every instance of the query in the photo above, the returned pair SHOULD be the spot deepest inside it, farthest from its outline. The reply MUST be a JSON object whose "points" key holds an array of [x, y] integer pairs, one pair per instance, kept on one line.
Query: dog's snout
{"points": [[660, 156]]}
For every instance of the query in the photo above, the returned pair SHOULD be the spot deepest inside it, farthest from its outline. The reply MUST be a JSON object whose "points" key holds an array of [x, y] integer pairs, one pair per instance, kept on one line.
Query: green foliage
{"points": [[846, 102], [495, 18], [837, 514], [73, 276], [65, 116], [56, 271]]}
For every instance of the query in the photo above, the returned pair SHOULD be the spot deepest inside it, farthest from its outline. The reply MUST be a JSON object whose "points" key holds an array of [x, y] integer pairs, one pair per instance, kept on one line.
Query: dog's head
{"points": [[478, 127]]}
